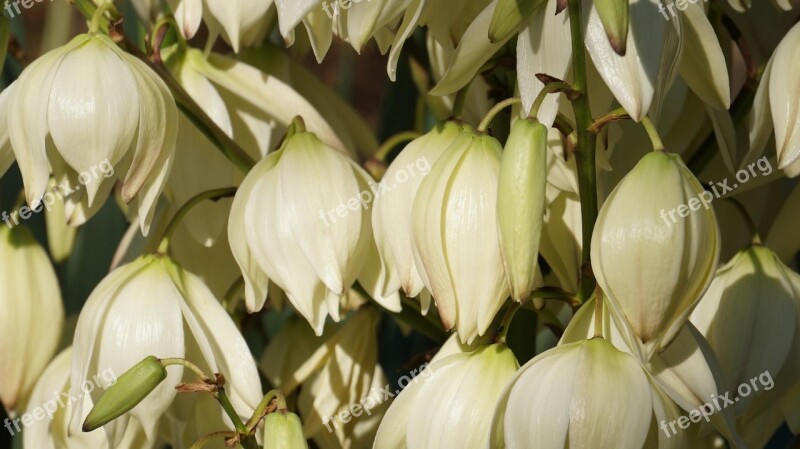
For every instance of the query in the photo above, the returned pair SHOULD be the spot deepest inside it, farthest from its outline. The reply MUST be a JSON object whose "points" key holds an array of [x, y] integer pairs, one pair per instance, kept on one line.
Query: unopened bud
{"points": [[283, 430], [129, 390]]}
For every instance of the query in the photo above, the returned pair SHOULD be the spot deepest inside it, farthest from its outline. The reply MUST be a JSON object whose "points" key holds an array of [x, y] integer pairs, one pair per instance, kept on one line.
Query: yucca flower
{"points": [[241, 22], [646, 228], [53, 394], [301, 219], [750, 317], [85, 105], [32, 318], [178, 317], [283, 430], [391, 213], [451, 404], [455, 235], [580, 395]]}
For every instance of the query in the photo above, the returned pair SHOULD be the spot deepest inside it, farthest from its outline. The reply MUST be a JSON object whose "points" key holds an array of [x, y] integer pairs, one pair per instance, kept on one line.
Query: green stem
{"points": [[585, 148], [174, 361], [195, 200], [387, 147], [613, 116], [261, 410], [748, 219], [549, 88], [652, 133], [599, 303], [201, 443], [98, 17], [496, 110], [460, 100], [505, 324]]}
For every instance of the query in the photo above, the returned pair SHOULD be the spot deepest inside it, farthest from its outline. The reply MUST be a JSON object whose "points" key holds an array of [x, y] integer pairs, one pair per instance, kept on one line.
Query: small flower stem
{"points": [[496, 110], [215, 194], [263, 408], [386, 148], [652, 132], [613, 116], [549, 88], [505, 324], [201, 443], [174, 361], [460, 100], [584, 148], [599, 304], [98, 17]]}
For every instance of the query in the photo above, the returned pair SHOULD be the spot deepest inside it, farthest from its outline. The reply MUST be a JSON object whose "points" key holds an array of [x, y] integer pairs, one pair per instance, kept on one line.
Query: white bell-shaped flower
{"points": [[450, 405], [455, 235], [655, 247], [241, 22], [151, 306], [32, 318], [94, 114], [301, 219]]}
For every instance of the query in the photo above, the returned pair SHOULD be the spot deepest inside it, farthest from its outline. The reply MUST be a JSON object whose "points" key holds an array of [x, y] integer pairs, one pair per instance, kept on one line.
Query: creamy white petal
{"points": [[544, 46], [633, 77], [291, 13], [703, 64], [28, 127], [784, 92]]}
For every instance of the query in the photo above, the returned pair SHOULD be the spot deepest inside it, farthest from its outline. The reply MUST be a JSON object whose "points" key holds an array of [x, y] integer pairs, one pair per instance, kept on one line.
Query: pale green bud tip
{"points": [[126, 393], [283, 430], [509, 16]]}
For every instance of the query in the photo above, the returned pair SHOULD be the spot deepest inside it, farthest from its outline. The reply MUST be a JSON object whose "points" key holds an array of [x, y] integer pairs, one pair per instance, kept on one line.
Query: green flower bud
{"points": [[520, 203], [614, 15], [283, 430], [509, 16], [126, 393]]}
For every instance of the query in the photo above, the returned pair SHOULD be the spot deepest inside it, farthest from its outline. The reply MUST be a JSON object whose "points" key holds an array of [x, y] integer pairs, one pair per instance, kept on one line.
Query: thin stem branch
{"points": [[505, 324], [387, 147], [652, 133], [174, 361], [263, 408], [613, 116], [748, 219], [585, 148], [549, 88], [215, 194], [599, 304], [201, 443], [496, 110]]}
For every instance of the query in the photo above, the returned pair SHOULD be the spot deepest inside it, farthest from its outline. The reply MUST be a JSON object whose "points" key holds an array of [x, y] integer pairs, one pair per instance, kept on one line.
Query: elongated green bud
{"points": [[283, 430], [614, 15], [520, 203], [509, 16], [128, 391]]}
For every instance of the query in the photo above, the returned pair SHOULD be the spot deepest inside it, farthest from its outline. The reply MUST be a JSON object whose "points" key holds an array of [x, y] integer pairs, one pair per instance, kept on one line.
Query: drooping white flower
{"points": [[241, 22], [93, 114], [177, 317], [749, 317], [32, 318], [455, 235], [450, 405], [53, 395], [655, 247], [301, 219], [391, 213], [577, 395]]}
